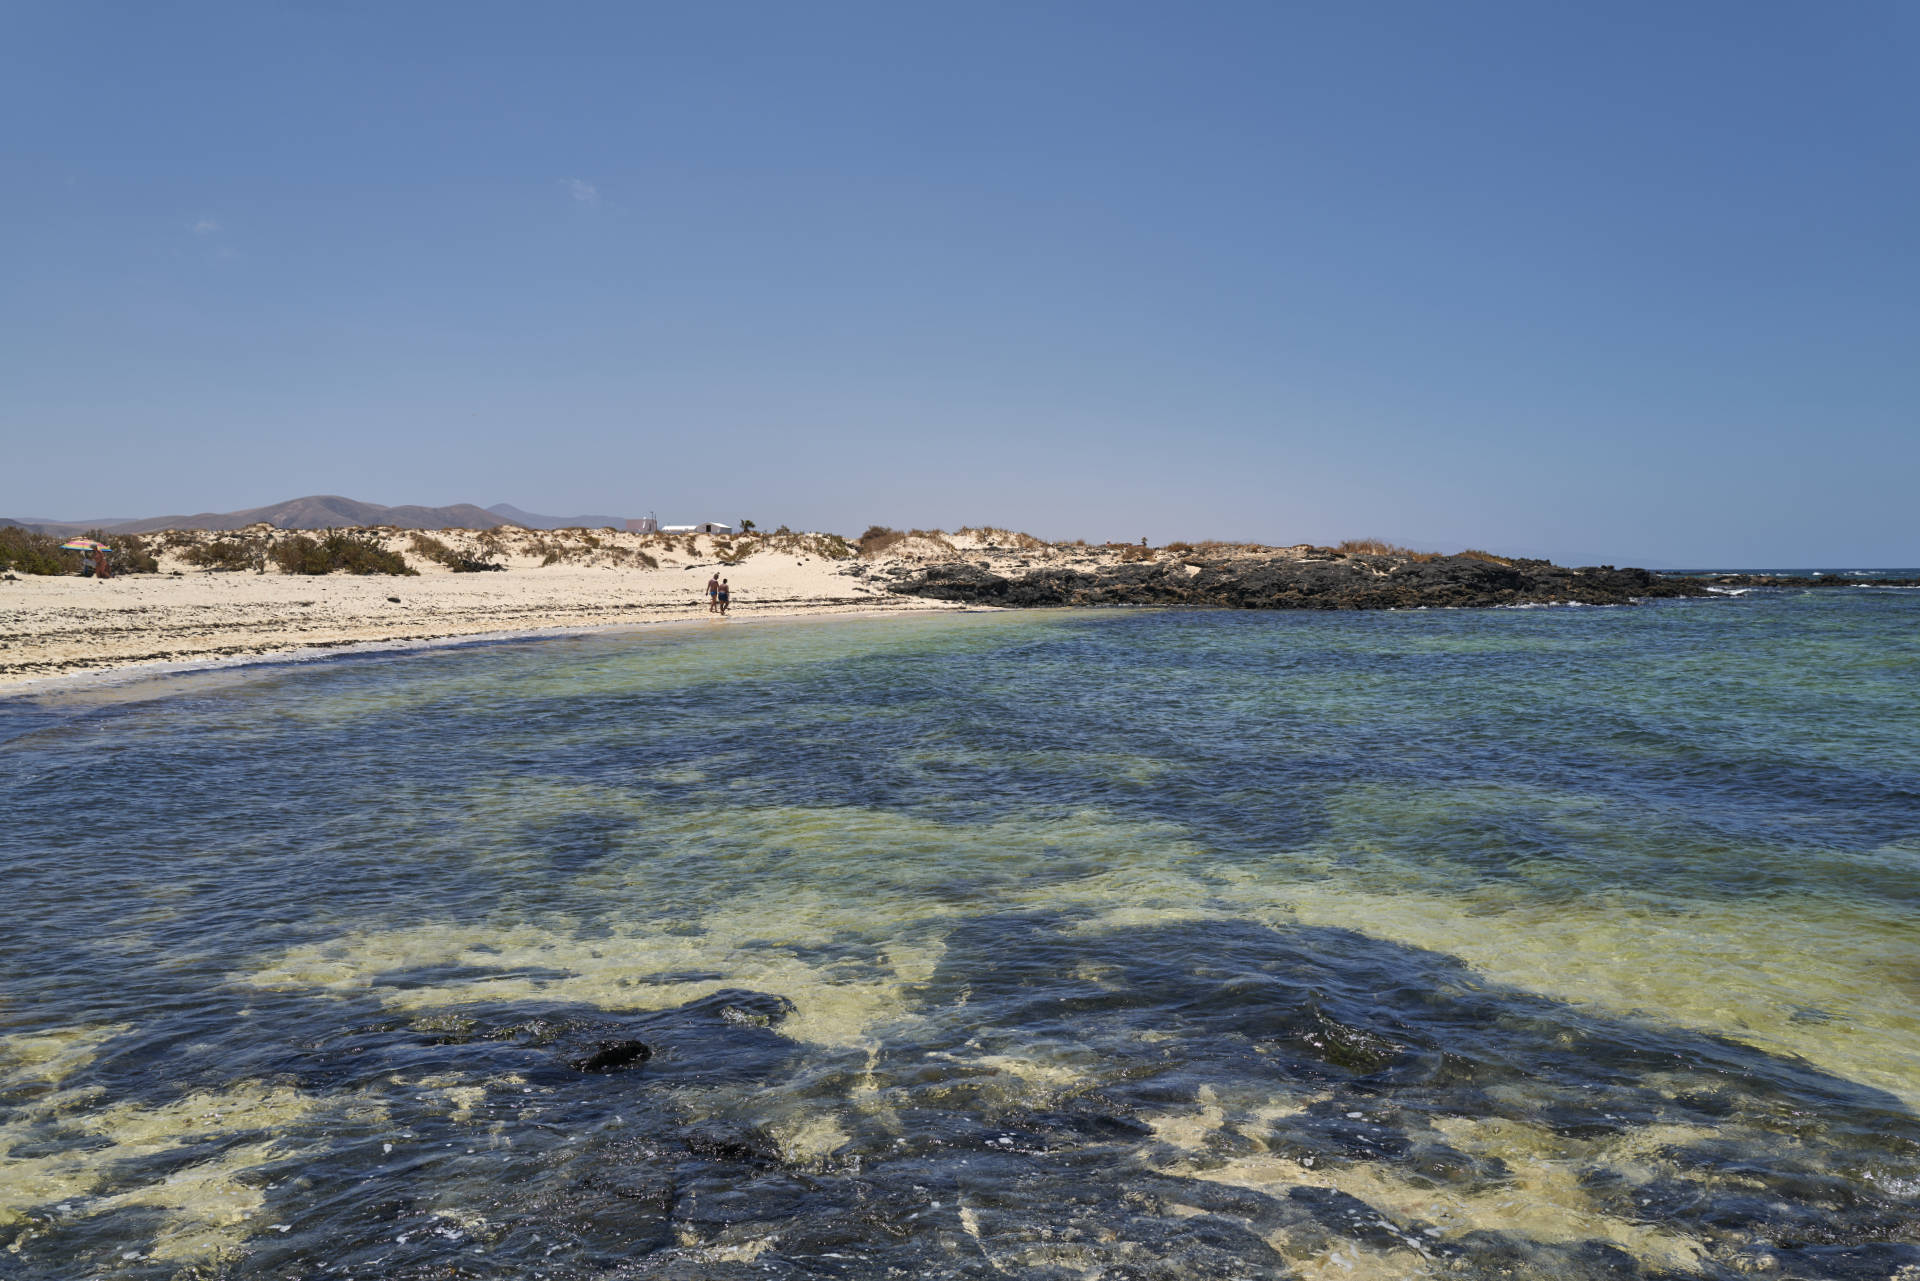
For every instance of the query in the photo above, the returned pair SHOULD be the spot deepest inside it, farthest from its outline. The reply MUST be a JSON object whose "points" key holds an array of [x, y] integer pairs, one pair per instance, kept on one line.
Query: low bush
{"points": [[1379, 547], [354, 551], [994, 536], [825, 546], [133, 558], [226, 554], [877, 539], [459, 562], [1474, 553], [32, 553]]}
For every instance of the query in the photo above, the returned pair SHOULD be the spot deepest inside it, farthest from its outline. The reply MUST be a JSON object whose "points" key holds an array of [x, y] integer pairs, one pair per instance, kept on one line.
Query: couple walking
{"points": [[717, 595]]}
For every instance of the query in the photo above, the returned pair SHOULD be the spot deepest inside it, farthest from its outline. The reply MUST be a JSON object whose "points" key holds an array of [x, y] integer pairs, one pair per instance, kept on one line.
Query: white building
{"points": [[645, 525], [708, 527]]}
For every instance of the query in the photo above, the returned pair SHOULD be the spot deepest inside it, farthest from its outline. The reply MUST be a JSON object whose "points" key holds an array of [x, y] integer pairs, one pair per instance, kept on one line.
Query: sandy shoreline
{"points": [[52, 627], [115, 674]]}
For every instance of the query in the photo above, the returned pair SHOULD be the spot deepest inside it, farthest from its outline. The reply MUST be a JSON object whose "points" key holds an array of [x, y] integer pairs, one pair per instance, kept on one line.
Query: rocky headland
{"points": [[1282, 578]]}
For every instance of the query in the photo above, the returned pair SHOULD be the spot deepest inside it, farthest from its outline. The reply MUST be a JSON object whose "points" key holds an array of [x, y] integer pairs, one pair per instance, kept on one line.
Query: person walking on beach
{"points": [[713, 593], [725, 597]]}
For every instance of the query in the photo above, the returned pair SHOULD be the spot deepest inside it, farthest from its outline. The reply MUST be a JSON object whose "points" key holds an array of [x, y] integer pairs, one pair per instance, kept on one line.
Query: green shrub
{"points": [[32, 553], [226, 554], [354, 551], [460, 563], [134, 558]]}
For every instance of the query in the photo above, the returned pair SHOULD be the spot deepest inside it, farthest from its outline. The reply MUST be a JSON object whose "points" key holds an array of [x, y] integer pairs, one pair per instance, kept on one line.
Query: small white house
{"points": [[707, 527]]}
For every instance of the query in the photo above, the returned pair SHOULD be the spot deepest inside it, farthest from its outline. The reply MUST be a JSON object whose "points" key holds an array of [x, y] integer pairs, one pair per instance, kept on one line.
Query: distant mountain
{"points": [[323, 511], [329, 511], [42, 525], [533, 520]]}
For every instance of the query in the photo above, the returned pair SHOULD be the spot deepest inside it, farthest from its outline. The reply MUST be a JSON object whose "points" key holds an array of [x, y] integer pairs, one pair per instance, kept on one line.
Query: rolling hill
{"points": [[328, 511]]}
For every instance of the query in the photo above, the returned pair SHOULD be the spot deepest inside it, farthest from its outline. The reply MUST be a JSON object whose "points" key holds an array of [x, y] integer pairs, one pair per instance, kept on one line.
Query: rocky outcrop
{"points": [[1257, 581]]}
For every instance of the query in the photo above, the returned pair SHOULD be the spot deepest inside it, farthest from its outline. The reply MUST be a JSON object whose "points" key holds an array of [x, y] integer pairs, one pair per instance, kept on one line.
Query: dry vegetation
{"points": [[460, 563], [41, 554], [388, 550], [357, 551], [230, 554], [1380, 547], [878, 539], [824, 546], [1001, 539]]}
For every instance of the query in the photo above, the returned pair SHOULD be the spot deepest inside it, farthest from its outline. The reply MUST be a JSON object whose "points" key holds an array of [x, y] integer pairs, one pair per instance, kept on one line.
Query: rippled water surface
{"points": [[1530, 943]]}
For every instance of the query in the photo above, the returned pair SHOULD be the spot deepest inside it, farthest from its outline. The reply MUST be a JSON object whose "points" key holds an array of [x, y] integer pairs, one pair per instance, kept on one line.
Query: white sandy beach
{"points": [[56, 626]]}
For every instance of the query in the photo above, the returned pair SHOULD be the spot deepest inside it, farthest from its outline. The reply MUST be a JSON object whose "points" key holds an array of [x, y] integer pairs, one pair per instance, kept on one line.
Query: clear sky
{"points": [[1621, 282]]}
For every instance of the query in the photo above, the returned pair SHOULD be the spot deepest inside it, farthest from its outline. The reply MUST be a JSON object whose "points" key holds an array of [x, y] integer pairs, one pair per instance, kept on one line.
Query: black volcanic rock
{"points": [[611, 1056], [1251, 580]]}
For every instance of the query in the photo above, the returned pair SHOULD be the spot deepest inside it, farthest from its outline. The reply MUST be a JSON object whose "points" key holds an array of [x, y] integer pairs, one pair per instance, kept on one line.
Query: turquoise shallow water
{"points": [[1563, 942]]}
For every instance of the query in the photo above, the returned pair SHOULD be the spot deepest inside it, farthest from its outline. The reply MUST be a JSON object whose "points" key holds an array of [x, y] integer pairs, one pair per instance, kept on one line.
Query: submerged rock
{"points": [[611, 1056]]}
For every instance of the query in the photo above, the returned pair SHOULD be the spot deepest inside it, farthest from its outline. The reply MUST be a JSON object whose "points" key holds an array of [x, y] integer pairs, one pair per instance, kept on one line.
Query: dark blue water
{"points": [[1564, 942]]}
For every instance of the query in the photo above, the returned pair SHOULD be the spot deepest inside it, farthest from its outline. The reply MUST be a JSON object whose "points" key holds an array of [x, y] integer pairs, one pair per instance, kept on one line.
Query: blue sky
{"points": [[1627, 283]]}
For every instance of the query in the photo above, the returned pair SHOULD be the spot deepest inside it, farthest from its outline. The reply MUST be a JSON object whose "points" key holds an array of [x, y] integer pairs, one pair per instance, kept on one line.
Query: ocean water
{"points": [[1518, 943]]}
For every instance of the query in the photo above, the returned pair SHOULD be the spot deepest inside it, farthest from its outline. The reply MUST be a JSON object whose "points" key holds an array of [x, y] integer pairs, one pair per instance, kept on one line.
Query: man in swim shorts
{"points": [[725, 596]]}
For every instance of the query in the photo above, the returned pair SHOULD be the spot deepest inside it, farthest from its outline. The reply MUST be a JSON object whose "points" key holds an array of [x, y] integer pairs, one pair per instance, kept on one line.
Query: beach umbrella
{"points": [[84, 545]]}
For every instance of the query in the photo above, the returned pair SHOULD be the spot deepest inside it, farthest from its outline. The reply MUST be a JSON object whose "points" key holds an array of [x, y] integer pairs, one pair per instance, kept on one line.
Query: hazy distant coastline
{"points": [[326, 511]]}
